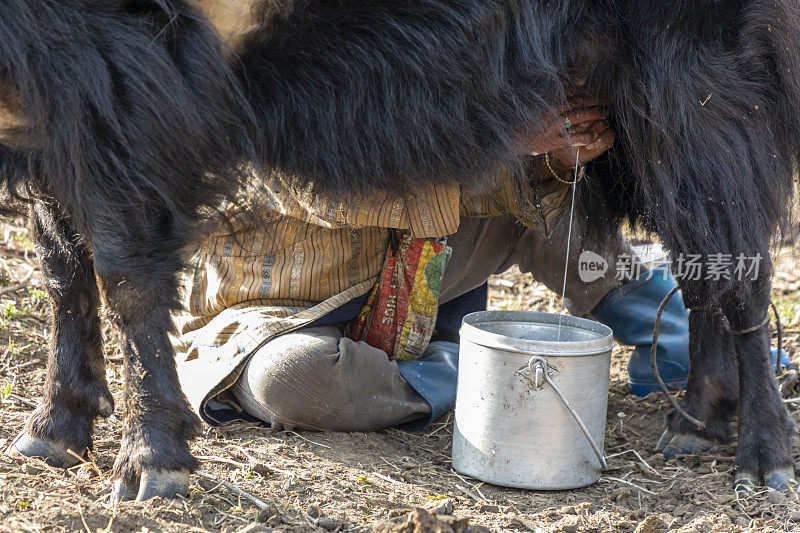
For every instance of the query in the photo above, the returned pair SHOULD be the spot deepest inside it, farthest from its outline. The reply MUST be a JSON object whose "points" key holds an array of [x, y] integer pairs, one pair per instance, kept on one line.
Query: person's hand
{"points": [[578, 132]]}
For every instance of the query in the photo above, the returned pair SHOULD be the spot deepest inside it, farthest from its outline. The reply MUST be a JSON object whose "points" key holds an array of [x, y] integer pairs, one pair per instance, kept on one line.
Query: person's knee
{"points": [[328, 383], [287, 380]]}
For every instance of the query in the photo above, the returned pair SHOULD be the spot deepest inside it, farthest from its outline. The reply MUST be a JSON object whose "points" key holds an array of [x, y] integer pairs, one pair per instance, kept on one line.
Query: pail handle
{"points": [[538, 367]]}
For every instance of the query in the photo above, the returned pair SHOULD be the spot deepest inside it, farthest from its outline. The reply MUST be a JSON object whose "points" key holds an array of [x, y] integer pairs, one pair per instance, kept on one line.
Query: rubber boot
{"points": [[630, 311], [434, 376]]}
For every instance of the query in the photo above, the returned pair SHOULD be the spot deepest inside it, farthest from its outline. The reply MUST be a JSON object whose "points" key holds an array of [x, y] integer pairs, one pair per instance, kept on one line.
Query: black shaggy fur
{"points": [[130, 126], [708, 126], [134, 126], [123, 101], [391, 93]]}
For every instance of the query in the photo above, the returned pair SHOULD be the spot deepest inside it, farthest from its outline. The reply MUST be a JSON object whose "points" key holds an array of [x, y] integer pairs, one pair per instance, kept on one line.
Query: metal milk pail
{"points": [[531, 402]]}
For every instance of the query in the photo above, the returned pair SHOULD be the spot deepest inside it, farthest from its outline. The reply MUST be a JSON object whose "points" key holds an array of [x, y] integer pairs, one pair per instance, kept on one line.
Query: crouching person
{"points": [[322, 316]]}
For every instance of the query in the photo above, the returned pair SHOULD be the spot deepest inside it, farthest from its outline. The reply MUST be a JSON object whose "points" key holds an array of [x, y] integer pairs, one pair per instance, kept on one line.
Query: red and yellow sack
{"points": [[400, 314]]}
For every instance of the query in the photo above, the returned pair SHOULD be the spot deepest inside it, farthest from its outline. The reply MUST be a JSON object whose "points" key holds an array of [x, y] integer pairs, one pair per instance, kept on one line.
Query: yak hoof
{"points": [[683, 444], [744, 483], [163, 483], [52, 453], [105, 406], [664, 440], [781, 480]]}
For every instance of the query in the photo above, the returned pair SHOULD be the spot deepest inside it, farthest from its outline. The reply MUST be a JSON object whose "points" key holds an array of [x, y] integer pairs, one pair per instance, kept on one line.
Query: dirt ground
{"points": [[254, 479]]}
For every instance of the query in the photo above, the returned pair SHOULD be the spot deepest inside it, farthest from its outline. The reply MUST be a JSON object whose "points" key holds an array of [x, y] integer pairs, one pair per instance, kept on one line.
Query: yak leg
{"points": [[712, 390], [137, 267], [75, 389], [765, 427]]}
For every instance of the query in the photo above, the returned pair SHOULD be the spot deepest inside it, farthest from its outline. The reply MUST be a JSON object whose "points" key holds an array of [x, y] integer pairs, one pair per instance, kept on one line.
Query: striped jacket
{"points": [[249, 282]]}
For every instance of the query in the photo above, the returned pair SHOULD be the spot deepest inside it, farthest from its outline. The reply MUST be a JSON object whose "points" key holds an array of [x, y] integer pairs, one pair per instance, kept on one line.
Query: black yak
{"points": [[127, 123]]}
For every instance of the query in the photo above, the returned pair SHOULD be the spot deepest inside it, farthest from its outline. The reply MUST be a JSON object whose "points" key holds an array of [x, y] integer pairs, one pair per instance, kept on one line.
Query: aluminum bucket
{"points": [[531, 405]]}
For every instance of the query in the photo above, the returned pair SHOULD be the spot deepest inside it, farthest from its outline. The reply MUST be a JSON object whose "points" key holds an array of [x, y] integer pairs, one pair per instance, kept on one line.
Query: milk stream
{"points": [[569, 235]]}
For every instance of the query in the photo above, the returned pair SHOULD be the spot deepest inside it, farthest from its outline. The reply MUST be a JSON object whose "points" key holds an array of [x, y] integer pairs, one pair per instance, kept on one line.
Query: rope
{"points": [[779, 328], [751, 329], [726, 324], [654, 353]]}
